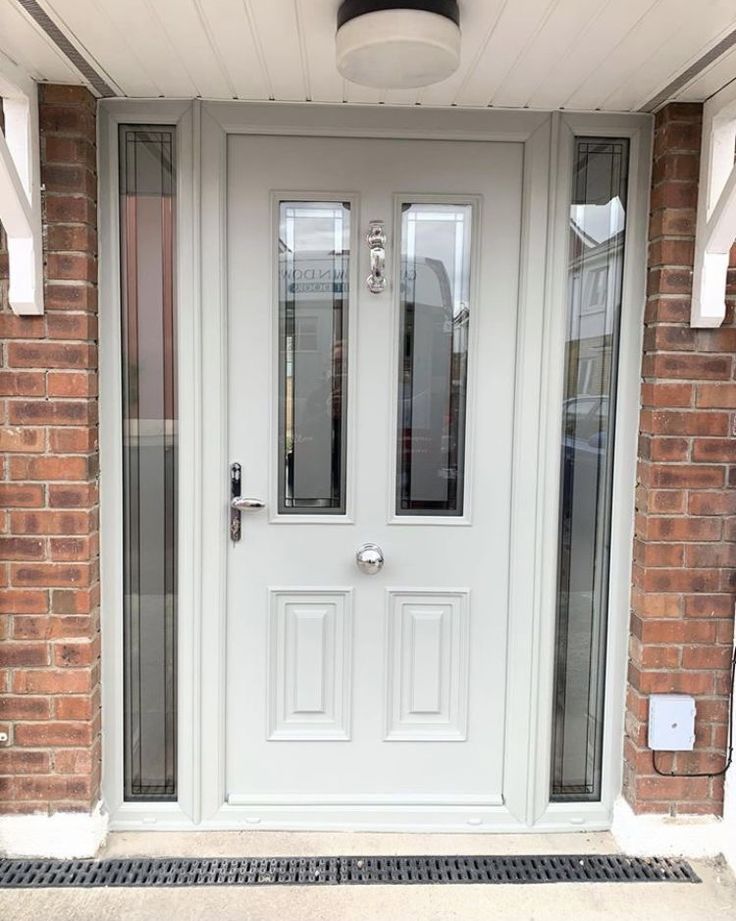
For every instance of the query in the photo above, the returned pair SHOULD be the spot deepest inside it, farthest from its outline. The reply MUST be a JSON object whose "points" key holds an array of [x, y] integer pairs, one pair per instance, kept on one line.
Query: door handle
{"points": [[244, 504], [369, 558], [239, 503]]}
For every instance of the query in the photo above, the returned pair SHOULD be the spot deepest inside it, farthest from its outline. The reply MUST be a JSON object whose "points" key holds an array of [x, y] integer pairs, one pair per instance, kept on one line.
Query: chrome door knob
{"points": [[369, 558]]}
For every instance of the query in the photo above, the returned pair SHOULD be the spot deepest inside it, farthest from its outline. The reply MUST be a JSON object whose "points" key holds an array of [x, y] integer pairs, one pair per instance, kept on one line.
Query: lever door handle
{"points": [[239, 503], [244, 504]]}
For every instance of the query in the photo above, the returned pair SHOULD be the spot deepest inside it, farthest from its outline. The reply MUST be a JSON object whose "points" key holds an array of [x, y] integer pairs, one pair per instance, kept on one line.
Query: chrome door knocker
{"points": [[376, 239]]}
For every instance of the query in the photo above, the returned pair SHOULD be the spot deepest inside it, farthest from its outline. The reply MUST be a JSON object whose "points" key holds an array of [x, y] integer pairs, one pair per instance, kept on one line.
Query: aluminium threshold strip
{"points": [[341, 871]]}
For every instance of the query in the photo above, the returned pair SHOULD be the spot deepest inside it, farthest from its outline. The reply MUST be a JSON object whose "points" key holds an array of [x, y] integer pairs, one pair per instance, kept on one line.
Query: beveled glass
{"points": [[595, 276], [433, 358], [313, 283], [148, 320]]}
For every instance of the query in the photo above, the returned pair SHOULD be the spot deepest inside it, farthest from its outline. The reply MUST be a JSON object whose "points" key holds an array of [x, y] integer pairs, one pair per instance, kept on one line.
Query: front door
{"points": [[371, 388]]}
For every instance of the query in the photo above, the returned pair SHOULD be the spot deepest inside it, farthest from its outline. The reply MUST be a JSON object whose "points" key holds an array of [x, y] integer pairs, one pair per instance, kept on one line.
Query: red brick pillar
{"points": [[684, 552], [49, 574]]}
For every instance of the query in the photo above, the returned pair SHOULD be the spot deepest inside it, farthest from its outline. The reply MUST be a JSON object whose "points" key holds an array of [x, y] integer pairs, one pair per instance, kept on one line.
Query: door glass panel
{"points": [[148, 317], [433, 358], [595, 273], [314, 255]]}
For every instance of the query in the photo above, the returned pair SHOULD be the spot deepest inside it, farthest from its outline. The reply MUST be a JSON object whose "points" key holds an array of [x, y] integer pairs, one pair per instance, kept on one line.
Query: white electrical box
{"points": [[671, 722]]}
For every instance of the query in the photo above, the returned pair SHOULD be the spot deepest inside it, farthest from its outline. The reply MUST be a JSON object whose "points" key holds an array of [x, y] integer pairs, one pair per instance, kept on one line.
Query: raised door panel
{"points": [[309, 665], [427, 673]]}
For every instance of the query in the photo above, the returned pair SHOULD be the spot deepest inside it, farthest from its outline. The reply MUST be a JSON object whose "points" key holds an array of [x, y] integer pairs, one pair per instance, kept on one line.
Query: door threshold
{"points": [[337, 819]]}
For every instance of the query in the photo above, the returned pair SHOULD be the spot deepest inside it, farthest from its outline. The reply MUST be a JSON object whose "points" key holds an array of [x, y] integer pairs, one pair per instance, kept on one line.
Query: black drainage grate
{"points": [[279, 871]]}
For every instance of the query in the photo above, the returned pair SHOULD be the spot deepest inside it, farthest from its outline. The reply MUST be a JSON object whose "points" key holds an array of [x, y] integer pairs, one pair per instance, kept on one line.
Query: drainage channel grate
{"points": [[279, 871]]}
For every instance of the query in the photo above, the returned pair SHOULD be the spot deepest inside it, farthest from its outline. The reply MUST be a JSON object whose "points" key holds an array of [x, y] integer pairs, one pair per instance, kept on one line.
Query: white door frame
{"points": [[202, 130]]}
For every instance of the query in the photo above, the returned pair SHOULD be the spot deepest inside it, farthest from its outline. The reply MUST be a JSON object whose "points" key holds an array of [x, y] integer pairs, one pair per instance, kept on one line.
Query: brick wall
{"points": [[49, 581], [684, 554]]}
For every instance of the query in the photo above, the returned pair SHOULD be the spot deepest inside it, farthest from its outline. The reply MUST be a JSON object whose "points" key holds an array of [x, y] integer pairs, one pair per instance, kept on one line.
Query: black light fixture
{"points": [[398, 44]]}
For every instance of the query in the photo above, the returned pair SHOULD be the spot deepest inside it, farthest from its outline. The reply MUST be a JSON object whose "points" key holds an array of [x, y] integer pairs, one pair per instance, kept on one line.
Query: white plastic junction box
{"points": [[671, 722]]}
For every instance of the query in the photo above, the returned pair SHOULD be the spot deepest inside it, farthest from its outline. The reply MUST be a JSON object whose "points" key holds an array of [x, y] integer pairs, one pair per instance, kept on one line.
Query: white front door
{"points": [[370, 418]]}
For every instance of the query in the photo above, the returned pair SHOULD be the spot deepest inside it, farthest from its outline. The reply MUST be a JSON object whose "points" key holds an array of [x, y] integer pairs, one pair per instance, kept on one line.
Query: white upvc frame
{"points": [[715, 230], [202, 130], [20, 188], [182, 115], [638, 130]]}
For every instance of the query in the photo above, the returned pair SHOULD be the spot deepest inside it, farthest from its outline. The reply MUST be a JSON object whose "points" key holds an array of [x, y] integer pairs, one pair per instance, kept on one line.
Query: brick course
{"points": [[49, 566], [684, 573]]}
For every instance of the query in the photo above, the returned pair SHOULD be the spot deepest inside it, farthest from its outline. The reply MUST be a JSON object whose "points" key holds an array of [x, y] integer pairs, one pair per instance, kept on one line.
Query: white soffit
{"points": [[613, 55]]}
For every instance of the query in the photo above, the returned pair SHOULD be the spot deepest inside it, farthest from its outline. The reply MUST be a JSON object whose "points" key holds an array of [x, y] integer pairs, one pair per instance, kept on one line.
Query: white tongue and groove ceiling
{"points": [[613, 55]]}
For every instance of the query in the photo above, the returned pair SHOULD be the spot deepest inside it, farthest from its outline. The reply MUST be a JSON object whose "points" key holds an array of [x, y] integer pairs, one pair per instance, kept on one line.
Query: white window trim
{"points": [[180, 814], [20, 188], [202, 130], [715, 230], [638, 130]]}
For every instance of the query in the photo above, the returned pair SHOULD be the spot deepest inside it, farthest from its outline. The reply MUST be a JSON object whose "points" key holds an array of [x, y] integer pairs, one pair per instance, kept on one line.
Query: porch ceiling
{"points": [[614, 55]]}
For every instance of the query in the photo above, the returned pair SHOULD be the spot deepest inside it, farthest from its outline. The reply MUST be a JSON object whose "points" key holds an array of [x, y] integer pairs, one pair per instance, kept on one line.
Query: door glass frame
{"points": [[476, 204], [353, 200]]}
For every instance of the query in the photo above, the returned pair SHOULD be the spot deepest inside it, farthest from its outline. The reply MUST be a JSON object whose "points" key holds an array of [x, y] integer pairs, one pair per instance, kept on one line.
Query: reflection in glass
{"points": [[147, 188], [433, 358], [314, 256], [596, 253]]}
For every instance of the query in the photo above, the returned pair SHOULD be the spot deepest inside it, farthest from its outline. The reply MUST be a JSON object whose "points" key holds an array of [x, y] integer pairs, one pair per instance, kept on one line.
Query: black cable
{"points": [[729, 748]]}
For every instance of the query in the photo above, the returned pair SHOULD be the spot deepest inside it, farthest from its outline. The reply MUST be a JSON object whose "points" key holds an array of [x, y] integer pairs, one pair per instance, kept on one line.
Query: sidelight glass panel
{"points": [[314, 257], [596, 256], [433, 358], [147, 202]]}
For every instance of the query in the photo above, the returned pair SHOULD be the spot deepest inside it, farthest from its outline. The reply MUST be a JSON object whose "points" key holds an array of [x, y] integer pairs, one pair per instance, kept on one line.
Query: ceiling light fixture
{"points": [[398, 44]]}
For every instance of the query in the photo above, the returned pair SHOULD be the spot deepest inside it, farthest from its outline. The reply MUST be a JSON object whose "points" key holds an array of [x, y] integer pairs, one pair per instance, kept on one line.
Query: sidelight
{"points": [[597, 227], [148, 321]]}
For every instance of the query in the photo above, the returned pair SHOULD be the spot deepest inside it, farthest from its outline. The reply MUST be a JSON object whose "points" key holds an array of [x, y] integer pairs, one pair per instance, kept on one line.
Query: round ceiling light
{"points": [[398, 44]]}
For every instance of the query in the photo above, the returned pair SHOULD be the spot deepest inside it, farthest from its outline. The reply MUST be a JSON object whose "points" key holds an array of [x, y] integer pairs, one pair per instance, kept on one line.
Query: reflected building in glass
{"points": [[595, 273]]}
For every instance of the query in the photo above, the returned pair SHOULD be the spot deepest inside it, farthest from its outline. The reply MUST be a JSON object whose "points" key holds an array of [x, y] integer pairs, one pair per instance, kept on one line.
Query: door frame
{"points": [[202, 129]]}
